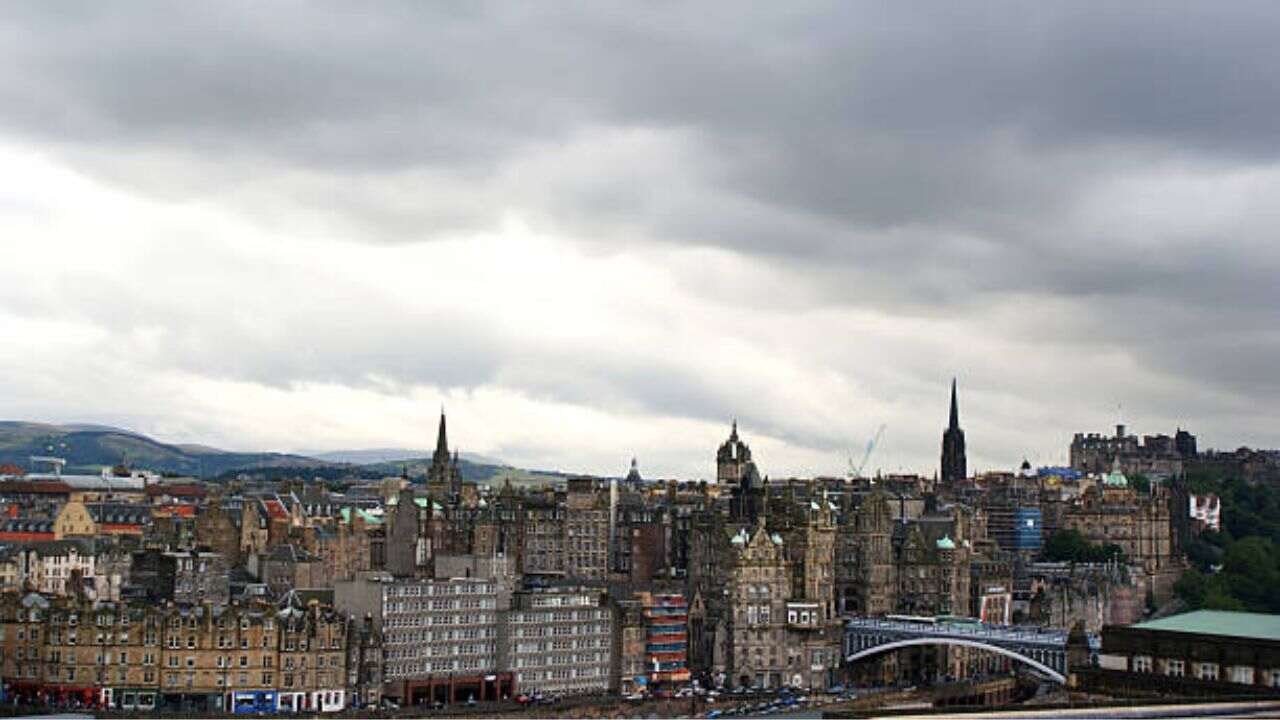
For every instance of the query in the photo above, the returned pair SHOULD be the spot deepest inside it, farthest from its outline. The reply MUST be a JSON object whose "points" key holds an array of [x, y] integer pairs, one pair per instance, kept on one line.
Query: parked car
{"points": [[523, 699]]}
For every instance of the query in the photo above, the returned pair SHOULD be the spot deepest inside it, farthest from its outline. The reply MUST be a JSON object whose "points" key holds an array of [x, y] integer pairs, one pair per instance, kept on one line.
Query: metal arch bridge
{"points": [[1043, 650]]}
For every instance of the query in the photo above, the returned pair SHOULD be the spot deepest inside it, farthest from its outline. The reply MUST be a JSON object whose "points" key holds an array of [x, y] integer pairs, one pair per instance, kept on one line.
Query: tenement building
{"points": [[141, 656]]}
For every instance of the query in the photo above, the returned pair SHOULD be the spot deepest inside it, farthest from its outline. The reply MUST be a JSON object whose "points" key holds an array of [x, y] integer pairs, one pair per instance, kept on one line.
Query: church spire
{"points": [[442, 438], [955, 408], [954, 465]]}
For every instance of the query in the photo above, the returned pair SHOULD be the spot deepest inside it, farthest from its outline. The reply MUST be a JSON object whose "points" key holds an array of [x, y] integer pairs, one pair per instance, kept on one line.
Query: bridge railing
{"points": [[1019, 634]]}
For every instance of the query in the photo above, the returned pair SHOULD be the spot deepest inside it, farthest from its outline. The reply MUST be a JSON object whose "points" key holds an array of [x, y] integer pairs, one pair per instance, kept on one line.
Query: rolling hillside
{"points": [[89, 448]]}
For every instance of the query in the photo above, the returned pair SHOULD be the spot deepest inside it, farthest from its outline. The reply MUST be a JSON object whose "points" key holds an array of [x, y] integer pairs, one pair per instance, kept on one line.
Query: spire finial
{"points": [[955, 407], [734, 434], [442, 437]]}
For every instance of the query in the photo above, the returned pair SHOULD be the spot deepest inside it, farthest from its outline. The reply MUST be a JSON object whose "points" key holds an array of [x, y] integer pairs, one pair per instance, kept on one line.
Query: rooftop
{"points": [[1256, 626]]}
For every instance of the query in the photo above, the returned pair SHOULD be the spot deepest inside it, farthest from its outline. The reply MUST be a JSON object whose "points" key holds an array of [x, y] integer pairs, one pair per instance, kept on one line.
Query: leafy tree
{"points": [[1246, 548], [1218, 598], [1250, 572], [1192, 588], [1072, 546]]}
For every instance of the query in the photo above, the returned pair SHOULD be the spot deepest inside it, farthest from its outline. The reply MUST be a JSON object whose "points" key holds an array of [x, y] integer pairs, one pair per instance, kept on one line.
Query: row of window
{"points": [[417, 651], [581, 644], [427, 620], [558, 616], [430, 589], [523, 661], [438, 666], [1243, 674]]}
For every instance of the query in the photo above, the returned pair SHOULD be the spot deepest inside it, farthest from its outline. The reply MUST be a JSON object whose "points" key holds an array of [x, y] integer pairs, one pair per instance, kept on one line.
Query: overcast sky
{"points": [[608, 231]]}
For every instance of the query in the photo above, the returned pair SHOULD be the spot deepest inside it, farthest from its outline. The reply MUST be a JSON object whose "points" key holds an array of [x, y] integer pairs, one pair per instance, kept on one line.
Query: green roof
{"points": [[1256, 626], [368, 517]]}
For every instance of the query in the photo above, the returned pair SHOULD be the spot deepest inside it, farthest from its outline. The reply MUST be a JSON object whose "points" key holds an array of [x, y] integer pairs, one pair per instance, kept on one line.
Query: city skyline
{"points": [[608, 235]]}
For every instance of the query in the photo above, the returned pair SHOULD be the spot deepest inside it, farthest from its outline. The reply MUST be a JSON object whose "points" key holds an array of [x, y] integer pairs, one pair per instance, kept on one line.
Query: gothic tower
{"points": [[953, 458], [444, 478], [732, 459]]}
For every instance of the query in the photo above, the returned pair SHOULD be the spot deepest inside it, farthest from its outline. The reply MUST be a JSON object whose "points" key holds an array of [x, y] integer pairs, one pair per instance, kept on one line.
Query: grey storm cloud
{"points": [[928, 161]]}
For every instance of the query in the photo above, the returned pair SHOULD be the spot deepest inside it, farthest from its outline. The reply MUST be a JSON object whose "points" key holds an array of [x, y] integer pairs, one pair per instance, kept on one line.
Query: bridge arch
{"points": [[914, 642]]}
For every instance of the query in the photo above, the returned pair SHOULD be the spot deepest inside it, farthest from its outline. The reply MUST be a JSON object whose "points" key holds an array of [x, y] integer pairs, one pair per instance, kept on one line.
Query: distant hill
{"points": [[89, 448], [373, 456], [480, 472]]}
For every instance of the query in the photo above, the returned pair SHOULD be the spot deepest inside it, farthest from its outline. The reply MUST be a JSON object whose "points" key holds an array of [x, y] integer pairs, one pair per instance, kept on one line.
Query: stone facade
{"points": [[171, 658]]}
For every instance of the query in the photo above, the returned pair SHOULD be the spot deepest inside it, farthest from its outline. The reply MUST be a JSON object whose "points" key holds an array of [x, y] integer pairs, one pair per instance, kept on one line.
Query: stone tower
{"points": [[444, 478], [732, 460], [953, 458]]}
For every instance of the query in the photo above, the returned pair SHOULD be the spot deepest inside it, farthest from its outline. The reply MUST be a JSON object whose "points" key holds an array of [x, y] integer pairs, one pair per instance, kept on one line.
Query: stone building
{"points": [[288, 567], [187, 577], [1156, 456], [932, 574], [216, 529], [640, 539], [864, 567], [733, 460], [631, 671], [312, 656], [58, 567], [408, 548], [444, 477], [587, 529], [741, 581], [364, 663], [1112, 512], [543, 543]]}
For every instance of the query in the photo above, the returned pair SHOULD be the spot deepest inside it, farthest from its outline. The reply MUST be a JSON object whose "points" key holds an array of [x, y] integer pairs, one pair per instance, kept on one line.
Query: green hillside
{"points": [[89, 450]]}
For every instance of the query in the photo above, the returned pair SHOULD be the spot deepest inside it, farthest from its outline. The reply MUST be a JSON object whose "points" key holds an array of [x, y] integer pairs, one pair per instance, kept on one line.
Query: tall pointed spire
{"points": [[954, 465], [955, 408], [442, 438]]}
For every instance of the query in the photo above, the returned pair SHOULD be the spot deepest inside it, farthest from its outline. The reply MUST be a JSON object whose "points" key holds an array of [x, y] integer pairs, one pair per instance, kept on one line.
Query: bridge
{"points": [[1045, 650]]}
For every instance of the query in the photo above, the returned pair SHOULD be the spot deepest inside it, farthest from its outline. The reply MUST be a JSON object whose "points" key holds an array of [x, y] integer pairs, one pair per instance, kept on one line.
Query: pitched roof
{"points": [[177, 490], [47, 487], [275, 509], [1256, 626], [119, 513]]}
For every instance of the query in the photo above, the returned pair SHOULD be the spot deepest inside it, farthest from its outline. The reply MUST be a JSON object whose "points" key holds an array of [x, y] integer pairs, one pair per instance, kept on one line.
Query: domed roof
{"points": [[633, 476], [946, 543], [1115, 479]]}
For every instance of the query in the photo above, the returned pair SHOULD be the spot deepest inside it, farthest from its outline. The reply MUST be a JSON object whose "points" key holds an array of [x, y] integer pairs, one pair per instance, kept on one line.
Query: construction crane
{"points": [[855, 471]]}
